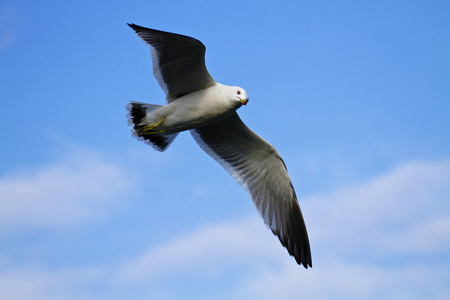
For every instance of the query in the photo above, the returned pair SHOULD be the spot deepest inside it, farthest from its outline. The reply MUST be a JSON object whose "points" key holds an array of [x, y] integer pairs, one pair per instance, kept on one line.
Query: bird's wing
{"points": [[257, 166], [178, 62]]}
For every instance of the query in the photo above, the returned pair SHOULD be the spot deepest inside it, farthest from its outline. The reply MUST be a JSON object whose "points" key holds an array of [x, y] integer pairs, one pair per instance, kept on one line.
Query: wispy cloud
{"points": [[40, 284], [221, 245], [373, 238], [80, 187], [398, 212], [340, 280], [386, 238], [10, 18]]}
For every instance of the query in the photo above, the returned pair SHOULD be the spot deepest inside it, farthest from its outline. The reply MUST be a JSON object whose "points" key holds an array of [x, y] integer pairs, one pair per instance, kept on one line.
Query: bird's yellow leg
{"points": [[149, 128], [154, 132]]}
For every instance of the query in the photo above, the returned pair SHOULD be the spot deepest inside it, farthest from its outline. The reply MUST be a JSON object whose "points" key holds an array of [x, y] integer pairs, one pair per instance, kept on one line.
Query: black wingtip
{"points": [[134, 26]]}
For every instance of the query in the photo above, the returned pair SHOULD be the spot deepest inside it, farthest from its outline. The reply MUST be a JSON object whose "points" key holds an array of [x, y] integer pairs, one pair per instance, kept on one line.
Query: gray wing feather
{"points": [[178, 62], [258, 167]]}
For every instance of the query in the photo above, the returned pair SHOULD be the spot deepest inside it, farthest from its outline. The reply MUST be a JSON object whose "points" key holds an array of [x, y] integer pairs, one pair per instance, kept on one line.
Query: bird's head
{"points": [[240, 95]]}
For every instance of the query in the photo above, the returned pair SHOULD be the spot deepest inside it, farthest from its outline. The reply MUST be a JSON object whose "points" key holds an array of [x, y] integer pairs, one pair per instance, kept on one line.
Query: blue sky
{"points": [[355, 96]]}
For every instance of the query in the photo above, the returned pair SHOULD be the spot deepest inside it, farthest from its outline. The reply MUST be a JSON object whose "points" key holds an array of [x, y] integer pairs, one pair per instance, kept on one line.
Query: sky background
{"points": [[355, 95]]}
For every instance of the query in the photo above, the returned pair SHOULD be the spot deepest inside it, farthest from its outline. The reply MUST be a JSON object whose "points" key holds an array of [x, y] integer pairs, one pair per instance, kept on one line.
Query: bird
{"points": [[196, 102]]}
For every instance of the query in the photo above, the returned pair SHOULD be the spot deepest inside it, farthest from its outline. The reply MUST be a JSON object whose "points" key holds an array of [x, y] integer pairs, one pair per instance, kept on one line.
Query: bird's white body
{"points": [[196, 109]]}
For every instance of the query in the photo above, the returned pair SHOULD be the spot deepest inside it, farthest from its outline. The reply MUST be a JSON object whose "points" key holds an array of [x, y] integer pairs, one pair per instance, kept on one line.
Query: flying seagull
{"points": [[195, 102]]}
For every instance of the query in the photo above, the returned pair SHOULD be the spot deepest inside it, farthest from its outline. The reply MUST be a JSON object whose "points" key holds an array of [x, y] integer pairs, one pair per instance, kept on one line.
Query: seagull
{"points": [[196, 102]]}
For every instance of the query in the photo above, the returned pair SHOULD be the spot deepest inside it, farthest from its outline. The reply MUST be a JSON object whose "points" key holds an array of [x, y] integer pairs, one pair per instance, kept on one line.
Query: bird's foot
{"points": [[148, 129], [154, 132]]}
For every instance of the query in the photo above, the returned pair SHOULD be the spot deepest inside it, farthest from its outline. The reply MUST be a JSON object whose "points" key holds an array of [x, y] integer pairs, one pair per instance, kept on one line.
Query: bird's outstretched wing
{"points": [[256, 165], [178, 62]]}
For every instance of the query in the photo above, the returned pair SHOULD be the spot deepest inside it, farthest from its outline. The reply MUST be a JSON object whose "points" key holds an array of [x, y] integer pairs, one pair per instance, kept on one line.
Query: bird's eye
{"points": [[238, 92]]}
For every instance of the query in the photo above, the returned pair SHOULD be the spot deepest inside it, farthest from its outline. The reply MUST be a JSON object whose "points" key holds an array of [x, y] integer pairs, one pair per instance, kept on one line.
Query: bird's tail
{"points": [[136, 112]]}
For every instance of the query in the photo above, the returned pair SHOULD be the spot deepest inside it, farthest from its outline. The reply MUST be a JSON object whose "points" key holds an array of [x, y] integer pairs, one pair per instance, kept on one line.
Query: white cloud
{"points": [[339, 280], [10, 19], [371, 240], [383, 239], [36, 283], [394, 213], [79, 188], [221, 245]]}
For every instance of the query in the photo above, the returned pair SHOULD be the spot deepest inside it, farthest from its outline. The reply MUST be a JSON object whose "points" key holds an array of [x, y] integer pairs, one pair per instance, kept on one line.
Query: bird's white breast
{"points": [[198, 108]]}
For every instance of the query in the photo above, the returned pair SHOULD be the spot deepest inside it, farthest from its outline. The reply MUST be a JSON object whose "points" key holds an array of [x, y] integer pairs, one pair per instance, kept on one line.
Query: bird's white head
{"points": [[240, 95]]}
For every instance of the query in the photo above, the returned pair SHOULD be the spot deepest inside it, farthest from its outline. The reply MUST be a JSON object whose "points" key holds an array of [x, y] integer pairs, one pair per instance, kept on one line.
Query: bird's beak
{"points": [[243, 101]]}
